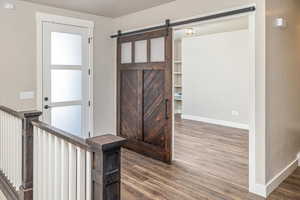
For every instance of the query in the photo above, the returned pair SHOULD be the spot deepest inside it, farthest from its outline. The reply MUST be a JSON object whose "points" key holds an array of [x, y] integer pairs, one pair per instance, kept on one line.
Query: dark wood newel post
{"points": [[106, 167], [26, 190]]}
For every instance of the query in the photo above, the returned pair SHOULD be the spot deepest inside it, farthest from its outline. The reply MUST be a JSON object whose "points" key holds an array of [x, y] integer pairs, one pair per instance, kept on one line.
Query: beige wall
{"points": [[18, 60], [184, 9], [18, 67], [283, 85], [18, 56]]}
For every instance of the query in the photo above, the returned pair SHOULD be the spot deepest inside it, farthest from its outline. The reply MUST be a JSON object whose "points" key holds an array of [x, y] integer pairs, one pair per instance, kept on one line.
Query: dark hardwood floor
{"points": [[211, 163]]}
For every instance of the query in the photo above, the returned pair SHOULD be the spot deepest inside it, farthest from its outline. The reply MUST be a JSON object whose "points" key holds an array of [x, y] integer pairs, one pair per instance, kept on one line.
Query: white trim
{"points": [[252, 118], [266, 190], [252, 103], [281, 176], [91, 82], [44, 17], [260, 189], [39, 55], [216, 121]]}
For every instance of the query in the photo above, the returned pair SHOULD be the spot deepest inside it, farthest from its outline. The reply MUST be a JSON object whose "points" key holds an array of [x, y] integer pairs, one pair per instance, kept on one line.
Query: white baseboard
{"points": [[215, 121], [260, 190], [281, 176], [266, 190]]}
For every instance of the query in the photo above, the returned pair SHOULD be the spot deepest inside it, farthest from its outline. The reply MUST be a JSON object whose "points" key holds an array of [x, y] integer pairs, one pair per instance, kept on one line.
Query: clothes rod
{"points": [[189, 21]]}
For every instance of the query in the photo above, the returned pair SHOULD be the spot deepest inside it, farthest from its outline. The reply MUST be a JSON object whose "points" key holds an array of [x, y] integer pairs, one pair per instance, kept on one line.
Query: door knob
{"points": [[46, 98], [46, 107]]}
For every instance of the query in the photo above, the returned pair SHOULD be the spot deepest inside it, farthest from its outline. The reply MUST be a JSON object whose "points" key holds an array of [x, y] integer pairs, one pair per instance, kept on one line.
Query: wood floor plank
{"points": [[211, 163], [217, 150]]}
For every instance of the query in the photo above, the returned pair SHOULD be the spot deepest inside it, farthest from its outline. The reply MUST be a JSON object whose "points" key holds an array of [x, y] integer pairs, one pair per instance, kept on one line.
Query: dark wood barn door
{"points": [[145, 93]]}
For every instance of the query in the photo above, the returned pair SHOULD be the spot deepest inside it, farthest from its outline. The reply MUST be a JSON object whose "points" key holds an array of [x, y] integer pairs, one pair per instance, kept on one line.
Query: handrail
{"points": [[21, 114], [103, 154], [104, 142], [77, 141], [22, 135]]}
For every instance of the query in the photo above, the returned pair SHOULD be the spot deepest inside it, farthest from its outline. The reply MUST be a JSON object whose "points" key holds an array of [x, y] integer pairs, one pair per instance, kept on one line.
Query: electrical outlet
{"points": [[27, 95], [235, 113]]}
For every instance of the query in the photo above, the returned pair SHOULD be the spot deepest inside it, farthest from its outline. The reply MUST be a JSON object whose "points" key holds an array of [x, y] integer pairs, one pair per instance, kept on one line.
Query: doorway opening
{"points": [[213, 99], [240, 124]]}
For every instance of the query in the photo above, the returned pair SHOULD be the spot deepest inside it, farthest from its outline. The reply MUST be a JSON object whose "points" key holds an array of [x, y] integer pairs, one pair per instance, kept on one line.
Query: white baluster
{"points": [[40, 165], [35, 163], [65, 171], [81, 174], [57, 169], [72, 172], [1, 140], [62, 171], [88, 176], [10, 155], [51, 153]]}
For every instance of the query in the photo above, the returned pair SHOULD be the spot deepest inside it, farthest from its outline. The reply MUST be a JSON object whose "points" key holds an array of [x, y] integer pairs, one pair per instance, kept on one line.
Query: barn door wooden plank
{"points": [[145, 94]]}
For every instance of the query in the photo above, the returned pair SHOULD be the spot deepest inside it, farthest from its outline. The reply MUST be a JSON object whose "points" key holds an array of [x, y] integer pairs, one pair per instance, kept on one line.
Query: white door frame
{"points": [[44, 17], [252, 128]]}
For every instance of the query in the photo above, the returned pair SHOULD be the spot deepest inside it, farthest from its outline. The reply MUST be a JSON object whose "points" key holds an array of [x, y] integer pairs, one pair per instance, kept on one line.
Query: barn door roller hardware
{"points": [[189, 21]]}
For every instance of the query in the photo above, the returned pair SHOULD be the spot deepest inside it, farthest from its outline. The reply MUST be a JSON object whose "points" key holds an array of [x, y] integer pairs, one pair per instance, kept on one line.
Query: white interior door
{"points": [[66, 78]]}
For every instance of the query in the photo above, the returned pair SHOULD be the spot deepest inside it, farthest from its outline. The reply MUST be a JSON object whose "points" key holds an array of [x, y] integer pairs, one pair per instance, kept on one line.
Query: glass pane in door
{"points": [[67, 118], [141, 51], [66, 85], [66, 49], [126, 53], [158, 49]]}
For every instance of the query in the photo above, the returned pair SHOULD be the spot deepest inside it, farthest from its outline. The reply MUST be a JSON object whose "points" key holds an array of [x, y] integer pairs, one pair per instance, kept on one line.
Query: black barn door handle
{"points": [[166, 109]]}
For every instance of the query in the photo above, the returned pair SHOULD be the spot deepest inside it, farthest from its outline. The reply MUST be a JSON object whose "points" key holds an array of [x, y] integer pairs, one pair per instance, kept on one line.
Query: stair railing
{"points": [[40, 162]]}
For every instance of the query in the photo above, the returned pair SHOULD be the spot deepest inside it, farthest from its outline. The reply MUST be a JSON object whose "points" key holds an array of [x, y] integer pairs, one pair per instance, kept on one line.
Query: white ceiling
{"points": [[108, 8]]}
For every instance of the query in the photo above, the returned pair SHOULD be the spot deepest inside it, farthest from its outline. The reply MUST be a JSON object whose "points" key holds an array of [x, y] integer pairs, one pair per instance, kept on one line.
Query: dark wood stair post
{"points": [[106, 167], [26, 190]]}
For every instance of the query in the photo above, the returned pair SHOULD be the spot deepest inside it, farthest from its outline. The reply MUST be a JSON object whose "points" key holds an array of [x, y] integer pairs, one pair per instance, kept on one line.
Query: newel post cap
{"points": [[106, 142]]}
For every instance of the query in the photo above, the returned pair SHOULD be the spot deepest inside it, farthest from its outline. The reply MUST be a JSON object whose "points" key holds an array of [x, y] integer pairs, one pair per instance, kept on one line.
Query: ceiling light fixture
{"points": [[190, 31]]}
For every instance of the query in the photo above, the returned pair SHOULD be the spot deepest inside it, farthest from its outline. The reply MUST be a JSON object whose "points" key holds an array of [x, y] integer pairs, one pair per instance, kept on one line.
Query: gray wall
{"points": [[18, 60], [283, 85], [216, 76]]}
